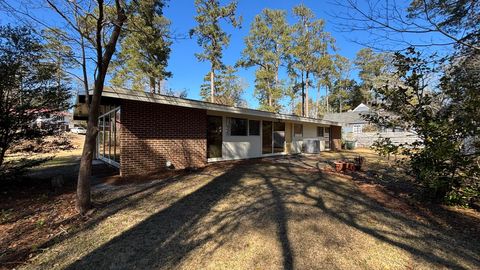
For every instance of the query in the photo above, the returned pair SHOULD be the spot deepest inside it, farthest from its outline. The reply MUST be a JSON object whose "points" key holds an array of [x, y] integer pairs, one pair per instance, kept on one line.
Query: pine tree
{"points": [[29, 86], [266, 47], [310, 44], [228, 88], [337, 82], [144, 48], [343, 95], [58, 51], [371, 67], [210, 35]]}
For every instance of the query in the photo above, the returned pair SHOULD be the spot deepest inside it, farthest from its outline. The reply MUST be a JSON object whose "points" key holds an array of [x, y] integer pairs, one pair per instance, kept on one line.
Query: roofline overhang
{"points": [[189, 103]]}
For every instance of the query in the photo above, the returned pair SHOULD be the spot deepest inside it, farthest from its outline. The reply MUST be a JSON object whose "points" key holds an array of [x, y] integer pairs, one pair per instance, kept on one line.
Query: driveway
{"points": [[281, 213]]}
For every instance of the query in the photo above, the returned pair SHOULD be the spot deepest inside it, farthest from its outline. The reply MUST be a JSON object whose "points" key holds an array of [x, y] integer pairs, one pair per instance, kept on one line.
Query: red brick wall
{"points": [[336, 132], [153, 133]]}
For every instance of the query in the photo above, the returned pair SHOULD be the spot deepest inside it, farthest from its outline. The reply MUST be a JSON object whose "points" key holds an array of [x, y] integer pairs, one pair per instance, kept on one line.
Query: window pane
{"points": [[214, 136], [298, 130], [278, 137], [117, 136], [254, 127], [100, 137], [238, 127], [106, 142], [319, 131], [267, 137]]}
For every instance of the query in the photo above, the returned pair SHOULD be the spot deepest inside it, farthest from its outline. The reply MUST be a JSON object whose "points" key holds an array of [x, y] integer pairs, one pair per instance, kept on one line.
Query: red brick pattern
{"points": [[153, 133], [336, 134]]}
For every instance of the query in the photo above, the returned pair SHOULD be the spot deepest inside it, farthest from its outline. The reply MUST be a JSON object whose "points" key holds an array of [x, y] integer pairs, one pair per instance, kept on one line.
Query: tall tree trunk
{"points": [[326, 97], [306, 95], [212, 85], [83, 200], [152, 85], [317, 103], [275, 88], [303, 96]]}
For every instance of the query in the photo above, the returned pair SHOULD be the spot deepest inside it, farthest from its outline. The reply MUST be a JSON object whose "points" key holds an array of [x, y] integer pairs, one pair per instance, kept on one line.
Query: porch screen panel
{"points": [[100, 137], [109, 138], [116, 148]]}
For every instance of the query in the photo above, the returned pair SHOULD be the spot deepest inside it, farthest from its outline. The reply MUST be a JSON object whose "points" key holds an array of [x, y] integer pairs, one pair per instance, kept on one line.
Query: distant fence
{"points": [[366, 139]]}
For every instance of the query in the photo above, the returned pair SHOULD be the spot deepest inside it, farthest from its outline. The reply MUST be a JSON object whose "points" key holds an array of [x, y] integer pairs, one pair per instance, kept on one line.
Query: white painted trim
{"points": [[109, 161], [116, 108], [274, 154], [212, 160]]}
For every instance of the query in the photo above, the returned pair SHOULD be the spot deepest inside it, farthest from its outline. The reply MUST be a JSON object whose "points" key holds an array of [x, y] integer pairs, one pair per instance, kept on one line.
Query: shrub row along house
{"points": [[142, 132]]}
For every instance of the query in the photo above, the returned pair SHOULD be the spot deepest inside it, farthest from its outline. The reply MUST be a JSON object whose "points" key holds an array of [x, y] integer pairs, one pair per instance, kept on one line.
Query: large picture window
{"points": [[320, 132], [238, 126], [254, 128], [298, 130]]}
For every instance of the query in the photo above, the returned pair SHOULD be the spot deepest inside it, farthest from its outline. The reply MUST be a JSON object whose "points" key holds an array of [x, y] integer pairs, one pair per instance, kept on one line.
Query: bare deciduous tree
{"points": [[93, 28], [420, 23]]}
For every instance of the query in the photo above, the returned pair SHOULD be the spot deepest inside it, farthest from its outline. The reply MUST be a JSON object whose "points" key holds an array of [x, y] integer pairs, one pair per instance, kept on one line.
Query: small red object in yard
{"points": [[351, 167], [346, 166], [339, 166]]}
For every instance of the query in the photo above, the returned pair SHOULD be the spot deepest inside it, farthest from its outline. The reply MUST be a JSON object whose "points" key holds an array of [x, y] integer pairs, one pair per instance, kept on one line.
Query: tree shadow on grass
{"points": [[162, 240], [430, 240], [168, 238]]}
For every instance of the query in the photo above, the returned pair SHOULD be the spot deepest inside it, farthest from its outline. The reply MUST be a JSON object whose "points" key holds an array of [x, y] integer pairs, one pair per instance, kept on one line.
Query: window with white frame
{"points": [[357, 128]]}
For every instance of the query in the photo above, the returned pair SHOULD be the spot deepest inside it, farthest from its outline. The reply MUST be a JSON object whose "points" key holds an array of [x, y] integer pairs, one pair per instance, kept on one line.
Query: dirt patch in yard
{"points": [[33, 212], [35, 215], [27, 225]]}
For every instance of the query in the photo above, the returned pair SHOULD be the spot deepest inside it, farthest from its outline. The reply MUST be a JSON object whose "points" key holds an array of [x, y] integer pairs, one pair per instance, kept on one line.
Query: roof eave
{"points": [[168, 100]]}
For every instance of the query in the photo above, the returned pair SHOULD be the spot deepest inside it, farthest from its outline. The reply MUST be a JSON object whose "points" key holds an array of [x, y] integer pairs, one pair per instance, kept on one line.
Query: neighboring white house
{"points": [[352, 121], [354, 127], [57, 120]]}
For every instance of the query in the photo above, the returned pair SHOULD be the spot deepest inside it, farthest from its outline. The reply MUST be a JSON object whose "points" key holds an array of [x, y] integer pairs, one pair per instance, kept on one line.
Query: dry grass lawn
{"points": [[284, 213]]}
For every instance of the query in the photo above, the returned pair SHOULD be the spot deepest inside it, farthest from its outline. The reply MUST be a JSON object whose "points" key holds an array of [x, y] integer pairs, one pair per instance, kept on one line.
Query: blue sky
{"points": [[188, 73]]}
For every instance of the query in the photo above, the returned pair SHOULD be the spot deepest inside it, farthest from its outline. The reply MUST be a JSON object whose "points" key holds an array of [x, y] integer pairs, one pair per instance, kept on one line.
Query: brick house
{"points": [[142, 132]]}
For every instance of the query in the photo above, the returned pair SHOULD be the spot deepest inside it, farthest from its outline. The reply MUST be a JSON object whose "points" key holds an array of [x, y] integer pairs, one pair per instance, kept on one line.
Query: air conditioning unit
{"points": [[311, 146]]}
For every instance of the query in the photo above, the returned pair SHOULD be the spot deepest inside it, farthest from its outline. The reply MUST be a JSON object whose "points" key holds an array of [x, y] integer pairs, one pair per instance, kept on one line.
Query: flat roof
{"points": [[126, 94]]}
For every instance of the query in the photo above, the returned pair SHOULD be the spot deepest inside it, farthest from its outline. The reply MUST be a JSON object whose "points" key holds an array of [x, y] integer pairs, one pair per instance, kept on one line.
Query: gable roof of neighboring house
{"points": [[361, 108], [350, 117], [346, 117], [117, 93]]}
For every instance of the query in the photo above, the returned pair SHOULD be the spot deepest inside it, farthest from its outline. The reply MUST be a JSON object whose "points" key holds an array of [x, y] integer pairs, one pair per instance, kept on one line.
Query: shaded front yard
{"points": [[279, 213]]}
